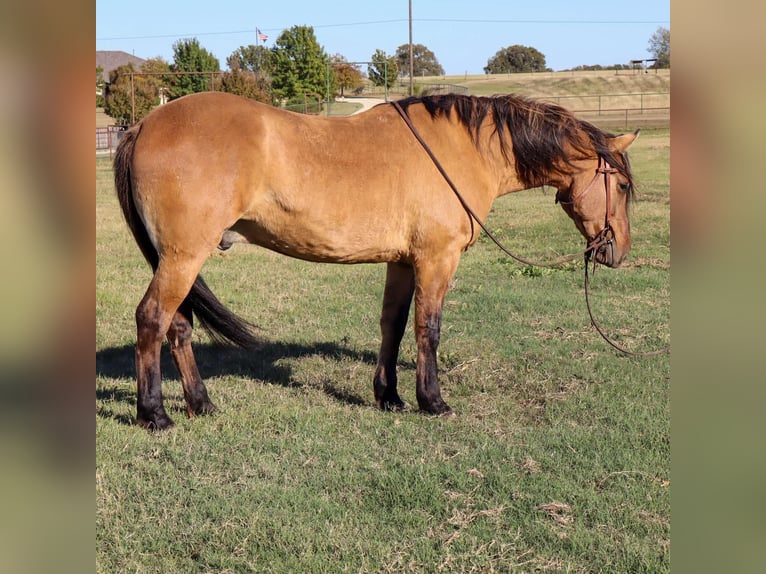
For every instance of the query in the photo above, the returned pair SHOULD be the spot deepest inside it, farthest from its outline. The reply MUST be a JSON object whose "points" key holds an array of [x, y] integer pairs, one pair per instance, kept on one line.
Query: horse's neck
{"points": [[504, 171], [503, 166]]}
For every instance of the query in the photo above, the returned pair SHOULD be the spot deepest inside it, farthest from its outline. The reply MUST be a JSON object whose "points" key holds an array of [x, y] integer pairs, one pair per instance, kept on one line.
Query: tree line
{"points": [[296, 67]]}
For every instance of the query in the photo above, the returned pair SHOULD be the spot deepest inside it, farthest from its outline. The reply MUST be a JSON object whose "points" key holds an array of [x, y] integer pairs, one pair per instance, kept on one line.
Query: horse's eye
{"points": [[624, 187]]}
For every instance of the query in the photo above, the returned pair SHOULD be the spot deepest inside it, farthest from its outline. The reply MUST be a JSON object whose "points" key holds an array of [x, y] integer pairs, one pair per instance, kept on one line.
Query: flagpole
{"points": [[411, 62], [257, 52]]}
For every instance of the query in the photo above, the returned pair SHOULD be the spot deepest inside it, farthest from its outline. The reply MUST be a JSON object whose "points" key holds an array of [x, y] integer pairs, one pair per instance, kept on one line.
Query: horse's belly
{"points": [[330, 245]]}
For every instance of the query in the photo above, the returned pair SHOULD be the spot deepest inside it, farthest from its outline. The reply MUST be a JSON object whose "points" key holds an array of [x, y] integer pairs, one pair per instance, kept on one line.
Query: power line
{"points": [[398, 21]]}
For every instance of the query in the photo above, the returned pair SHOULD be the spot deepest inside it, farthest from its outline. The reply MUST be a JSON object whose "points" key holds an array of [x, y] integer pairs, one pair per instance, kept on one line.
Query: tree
{"points": [[515, 59], [189, 56], [250, 74], [100, 86], [659, 47], [158, 81], [383, 70], [346, 75], [299, 64], [245, 83], [148, 82], [597, 67], [119, 100], [256, 59], [424, 62]]}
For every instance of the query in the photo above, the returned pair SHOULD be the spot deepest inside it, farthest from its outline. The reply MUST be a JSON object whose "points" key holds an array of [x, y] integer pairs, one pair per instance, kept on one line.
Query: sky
{"points": [[463, 34]]}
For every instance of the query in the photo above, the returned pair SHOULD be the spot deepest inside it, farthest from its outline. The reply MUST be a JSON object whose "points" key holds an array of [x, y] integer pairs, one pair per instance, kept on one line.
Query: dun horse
{"points": [[209, 169]]}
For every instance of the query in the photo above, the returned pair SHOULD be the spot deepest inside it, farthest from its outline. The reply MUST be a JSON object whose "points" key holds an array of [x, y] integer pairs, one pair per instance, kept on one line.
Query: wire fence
{"points": [[619, 111]]}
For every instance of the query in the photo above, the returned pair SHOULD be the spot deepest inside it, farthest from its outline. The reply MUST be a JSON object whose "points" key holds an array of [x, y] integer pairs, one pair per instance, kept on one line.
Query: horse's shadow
{"points": [[266, 363]]}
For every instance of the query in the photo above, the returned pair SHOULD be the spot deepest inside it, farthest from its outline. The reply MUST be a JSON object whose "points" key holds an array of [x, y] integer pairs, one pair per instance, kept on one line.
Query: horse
{"points": [[210, 169]]}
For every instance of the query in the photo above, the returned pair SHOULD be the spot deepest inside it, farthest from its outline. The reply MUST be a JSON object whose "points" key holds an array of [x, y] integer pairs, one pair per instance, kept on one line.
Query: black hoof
{"points": [[155, 423], [390, 402], [206, 408], [394, 405], [438, 408]]}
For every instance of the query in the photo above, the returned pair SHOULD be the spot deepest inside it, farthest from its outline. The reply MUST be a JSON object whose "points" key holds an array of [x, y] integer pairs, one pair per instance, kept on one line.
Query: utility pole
{"points": [[412, 66]]}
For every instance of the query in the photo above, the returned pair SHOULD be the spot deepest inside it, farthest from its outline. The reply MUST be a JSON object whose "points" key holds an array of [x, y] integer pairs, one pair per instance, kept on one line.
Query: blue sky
{"points": [[463, 34]]}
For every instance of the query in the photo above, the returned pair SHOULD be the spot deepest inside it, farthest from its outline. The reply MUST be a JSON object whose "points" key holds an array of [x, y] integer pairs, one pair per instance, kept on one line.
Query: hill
{"points": [[550, 84]]}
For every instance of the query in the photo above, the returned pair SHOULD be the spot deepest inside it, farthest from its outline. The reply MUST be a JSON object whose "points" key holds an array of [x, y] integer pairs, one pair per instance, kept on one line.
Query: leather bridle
{"points": [[605, 237]]}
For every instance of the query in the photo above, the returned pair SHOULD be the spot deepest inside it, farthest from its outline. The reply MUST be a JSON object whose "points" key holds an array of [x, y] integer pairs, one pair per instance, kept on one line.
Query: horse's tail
{"points": [[220, 323]]}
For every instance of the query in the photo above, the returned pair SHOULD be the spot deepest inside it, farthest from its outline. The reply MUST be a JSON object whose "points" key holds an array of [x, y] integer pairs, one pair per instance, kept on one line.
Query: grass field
{"points": [[558, 460]]}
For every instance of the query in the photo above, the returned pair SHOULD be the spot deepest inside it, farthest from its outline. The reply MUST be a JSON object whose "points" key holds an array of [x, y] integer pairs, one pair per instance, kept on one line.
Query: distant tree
{"points": [[515, 59], [100, 86], [118, 102], [383, 68], [245, 83], [424, 62], [158, 81], [659, 47], [299, 64], [597, 67], [148, 81], [346, 75], [252, 60], [190, 56], [256, 59]]}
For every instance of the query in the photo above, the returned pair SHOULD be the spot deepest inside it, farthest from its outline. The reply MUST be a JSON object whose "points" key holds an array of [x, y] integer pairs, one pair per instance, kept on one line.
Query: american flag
{"points": [[261, 36]]}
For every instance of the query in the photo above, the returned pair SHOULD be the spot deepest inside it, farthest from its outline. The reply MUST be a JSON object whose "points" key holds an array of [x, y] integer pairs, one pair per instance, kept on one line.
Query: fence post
{"points": [[132, 101], [385, 78]]}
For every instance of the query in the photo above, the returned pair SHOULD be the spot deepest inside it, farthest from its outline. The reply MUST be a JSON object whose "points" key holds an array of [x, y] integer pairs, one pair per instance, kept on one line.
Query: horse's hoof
{"points": [[203, 409], [392, 405], [439, 409], [156, 423]]}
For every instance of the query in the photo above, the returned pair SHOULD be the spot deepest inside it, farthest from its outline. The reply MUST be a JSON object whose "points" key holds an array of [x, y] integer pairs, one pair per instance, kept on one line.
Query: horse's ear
{"points": [[623, 142]]}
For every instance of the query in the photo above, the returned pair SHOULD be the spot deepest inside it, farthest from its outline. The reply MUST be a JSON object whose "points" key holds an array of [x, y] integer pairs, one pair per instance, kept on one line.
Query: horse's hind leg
{"points": [[397, 297], [171, 283], [179, 335]]}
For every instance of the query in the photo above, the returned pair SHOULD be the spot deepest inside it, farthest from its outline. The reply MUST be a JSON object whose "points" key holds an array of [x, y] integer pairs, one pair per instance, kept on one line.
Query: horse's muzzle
{"points": [[603, 249], [607, 254]]}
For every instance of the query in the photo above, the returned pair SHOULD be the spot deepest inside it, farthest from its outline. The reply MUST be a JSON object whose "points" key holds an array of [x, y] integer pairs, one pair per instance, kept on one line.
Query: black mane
{"points": [[542, 134]]}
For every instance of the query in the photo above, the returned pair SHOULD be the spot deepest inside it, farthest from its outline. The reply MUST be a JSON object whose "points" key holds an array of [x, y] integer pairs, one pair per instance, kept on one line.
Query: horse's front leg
{"points": [[432, 283], [397, 298]]}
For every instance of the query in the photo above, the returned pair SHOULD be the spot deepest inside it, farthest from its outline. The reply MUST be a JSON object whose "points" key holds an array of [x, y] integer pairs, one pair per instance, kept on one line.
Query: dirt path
{"points": [[367, 103]]}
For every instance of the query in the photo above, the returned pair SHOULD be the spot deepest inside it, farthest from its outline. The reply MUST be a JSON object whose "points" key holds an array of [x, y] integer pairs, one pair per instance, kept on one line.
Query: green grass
{"points": [[558, 460]]}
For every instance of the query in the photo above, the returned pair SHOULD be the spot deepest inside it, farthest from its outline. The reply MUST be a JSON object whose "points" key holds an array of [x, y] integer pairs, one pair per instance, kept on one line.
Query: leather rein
{"points": [[605, 237]]}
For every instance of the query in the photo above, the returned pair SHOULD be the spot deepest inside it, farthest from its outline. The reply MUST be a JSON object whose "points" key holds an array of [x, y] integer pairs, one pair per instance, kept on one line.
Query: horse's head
{"points": [[596, 197]]}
